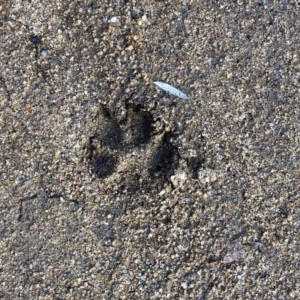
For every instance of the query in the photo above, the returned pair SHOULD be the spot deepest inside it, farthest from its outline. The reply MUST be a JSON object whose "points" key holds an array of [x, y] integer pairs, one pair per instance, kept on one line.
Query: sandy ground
{"points": [[111, 188]]}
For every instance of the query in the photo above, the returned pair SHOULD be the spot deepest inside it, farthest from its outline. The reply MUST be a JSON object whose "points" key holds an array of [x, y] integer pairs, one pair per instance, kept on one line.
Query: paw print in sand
{"points": [[132, 152]]}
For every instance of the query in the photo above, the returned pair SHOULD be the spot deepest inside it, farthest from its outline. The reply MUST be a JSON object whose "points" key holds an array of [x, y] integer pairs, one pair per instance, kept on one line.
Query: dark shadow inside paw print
{"points": [[164, 158], [137, 125], [108, 132], [194, 164], [103, 164]]}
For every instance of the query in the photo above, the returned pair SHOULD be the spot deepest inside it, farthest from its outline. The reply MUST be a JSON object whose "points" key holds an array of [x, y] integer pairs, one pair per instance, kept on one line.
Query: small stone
{"points": [[207, 175], [178, 179], [113, 20]]}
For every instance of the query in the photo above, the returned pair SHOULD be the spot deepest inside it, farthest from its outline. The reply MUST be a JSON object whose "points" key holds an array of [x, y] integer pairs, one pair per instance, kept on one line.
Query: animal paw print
{"points": [[133, 151]]}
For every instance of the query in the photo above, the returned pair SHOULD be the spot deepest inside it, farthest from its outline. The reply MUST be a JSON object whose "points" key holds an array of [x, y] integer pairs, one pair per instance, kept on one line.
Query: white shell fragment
{"points": [[168, 88]]}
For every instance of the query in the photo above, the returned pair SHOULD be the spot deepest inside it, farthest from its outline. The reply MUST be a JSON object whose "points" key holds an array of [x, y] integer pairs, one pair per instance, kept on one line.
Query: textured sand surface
{"points": [[111, 188]]}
